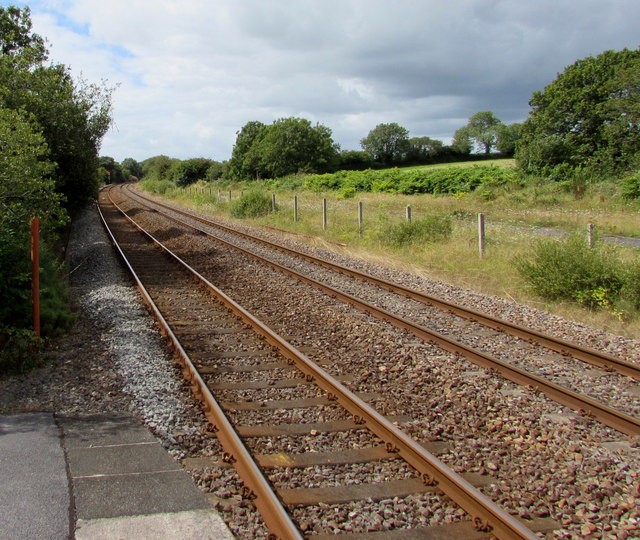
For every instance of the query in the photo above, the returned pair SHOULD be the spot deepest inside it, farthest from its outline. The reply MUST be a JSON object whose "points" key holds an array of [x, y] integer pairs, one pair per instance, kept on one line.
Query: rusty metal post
{"points": [[35, 275]]}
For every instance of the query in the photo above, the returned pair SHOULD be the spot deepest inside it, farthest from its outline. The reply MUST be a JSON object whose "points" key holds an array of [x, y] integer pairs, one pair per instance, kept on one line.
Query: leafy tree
{"points": [[132, 167], [387, 143], [158, 167], [482, 129], [508, 136], [588, 116], [288, 145], [461, 143], [111, 171], [240, 164], [73, 116], [424, 149], [217, 170], [189, 171]]}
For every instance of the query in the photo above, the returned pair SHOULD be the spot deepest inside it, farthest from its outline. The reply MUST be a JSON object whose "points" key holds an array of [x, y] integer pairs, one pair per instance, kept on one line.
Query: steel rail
{"points": [[589, 407], [276, 517], [562, 346], [485, 513]]}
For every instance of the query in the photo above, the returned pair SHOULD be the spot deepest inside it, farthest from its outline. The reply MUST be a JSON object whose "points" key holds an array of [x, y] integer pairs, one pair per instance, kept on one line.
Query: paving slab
{"points": [[126, 485], [34, 492], [194, 525]]}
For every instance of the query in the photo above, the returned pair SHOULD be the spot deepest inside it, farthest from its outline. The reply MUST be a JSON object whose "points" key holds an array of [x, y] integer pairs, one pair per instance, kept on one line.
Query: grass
{"points": [[511, 218]]}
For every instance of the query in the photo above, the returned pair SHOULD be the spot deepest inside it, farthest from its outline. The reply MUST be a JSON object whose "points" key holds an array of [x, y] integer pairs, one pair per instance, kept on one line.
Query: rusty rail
{"points": [[485, 513], [575, 350], [613, 418]]}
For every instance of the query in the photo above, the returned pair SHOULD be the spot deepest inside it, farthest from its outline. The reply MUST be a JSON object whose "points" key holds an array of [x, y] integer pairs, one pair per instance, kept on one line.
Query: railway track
{"points": [[247, 375], [613, 416]]}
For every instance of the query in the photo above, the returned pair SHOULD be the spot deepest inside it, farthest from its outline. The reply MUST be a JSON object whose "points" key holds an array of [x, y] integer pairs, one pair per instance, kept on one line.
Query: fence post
{"points": [[273, 203], [219, 196], [360, 218], [229, 195], [324, 214], [592, 235], [481, 234], [35, 275], [408, 212], [295, 208]]}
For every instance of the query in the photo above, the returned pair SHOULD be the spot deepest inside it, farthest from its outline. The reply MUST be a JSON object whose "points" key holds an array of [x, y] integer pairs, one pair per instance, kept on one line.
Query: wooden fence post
{"points": [[481, 234], [229, 195], [324, 214], [295, 208], [592, 235], [273, 203], [408, 214], [360, 218]]}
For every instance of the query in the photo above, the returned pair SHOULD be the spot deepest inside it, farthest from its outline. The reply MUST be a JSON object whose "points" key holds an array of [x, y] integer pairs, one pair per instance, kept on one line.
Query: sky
{"points": [[188, 75]]}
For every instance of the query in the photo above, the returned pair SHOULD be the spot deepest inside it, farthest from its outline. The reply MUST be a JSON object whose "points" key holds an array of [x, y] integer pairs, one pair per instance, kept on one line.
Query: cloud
{"points": [[190, 75]]}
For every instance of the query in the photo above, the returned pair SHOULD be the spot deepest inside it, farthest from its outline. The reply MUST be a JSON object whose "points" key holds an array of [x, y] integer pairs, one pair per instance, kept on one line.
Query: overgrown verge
{"points": [[597, 278], [250, 205]]}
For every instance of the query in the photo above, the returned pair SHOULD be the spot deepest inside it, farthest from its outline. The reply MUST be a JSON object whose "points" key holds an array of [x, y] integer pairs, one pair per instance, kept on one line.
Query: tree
{"points": [[424, 149], [287, 146], [73, 116], [508, 136], [240, 165], [588, 116], [482, 129], [158, 167], [132, 167], [189, 171], [461, 142], [387, 143], [111, 172]]}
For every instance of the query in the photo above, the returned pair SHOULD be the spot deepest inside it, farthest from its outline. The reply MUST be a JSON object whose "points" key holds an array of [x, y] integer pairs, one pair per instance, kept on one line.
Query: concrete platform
{"points": [[98, 477]]}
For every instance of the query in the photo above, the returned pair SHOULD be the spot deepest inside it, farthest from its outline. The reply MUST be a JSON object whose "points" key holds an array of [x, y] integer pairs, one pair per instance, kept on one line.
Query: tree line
{"points": [[585, 122], [50, 131]]}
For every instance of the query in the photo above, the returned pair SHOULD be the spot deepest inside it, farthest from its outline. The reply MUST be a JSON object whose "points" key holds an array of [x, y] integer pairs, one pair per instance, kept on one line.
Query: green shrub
{"points": [[428, 230], [159, 187], [19, 350], [569, 270], [251, 204], [630, 292], [630, 186]]}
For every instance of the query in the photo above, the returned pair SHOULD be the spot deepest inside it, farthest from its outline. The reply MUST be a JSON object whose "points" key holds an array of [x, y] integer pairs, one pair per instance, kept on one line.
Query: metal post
{"points": [[481, 234], [295, 208], [409, 214], [592, 235], [35, 275], [360, 218], [324, 214]]}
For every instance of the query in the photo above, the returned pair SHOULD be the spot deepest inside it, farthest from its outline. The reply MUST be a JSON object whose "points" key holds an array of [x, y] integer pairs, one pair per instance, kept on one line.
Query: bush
{"points": [[630, 186], [424, 231], [19, 350], [252, 204], [570, 270], [159, 187]]}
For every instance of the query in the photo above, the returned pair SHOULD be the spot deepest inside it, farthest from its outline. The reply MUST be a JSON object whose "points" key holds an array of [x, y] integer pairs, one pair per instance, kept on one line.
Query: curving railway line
{"points": [[261, 391]]}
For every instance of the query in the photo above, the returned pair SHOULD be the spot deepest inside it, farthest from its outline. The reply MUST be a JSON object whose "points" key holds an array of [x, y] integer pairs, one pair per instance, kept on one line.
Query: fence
{"points": [[408, 215]]}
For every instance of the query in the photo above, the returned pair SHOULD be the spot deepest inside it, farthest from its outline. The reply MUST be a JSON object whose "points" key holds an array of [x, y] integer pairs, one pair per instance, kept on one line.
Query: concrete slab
{"points": [[123, 459], [195, 525], [103, 430], [34, 492], [136, 494]]}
